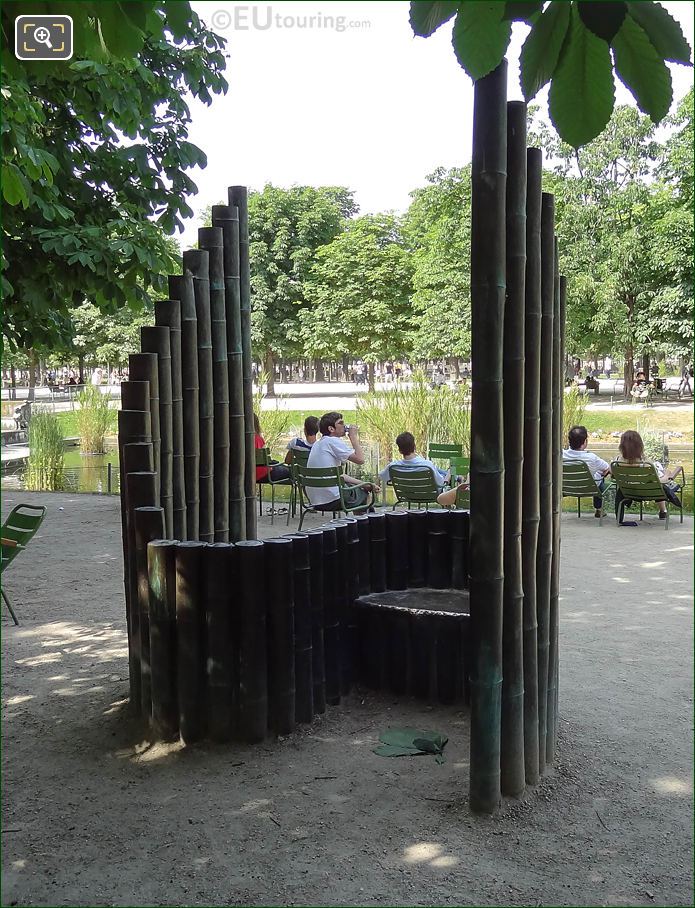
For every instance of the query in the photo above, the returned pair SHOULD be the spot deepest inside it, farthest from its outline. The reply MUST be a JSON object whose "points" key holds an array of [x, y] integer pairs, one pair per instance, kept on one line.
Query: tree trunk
{"points": [[269, 368], [13, 383], [80, 360], [645, 364], [454, 361], [370, 376], [319, 372], [32, 374], [628, 370]]}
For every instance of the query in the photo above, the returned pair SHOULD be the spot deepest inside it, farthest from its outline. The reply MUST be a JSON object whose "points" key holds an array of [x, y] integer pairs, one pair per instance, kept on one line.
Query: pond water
{"points": [[83, 472]]}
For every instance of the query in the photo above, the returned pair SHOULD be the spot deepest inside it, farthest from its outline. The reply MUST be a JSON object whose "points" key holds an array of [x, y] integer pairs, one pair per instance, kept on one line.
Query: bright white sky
{"points": [[369, 107]]}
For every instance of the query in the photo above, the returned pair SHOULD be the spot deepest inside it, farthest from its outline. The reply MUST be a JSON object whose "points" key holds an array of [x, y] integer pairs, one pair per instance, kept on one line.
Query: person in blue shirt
{"points": [[413, 461], [311, 429]]}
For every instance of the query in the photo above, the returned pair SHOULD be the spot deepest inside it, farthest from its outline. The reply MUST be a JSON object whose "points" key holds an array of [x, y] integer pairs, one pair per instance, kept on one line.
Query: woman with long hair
{"points": [[631, 449]]}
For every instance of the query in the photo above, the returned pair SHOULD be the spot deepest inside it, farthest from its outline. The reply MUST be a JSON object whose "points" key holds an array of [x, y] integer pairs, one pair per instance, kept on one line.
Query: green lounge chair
{"points": [[639, 482], [263, 459], [322, 478], [17, 531], [577, 482], [416, 486]]}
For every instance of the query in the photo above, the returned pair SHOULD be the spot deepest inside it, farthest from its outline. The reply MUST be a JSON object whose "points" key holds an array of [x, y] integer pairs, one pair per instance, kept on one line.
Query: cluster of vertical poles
{"points": [[241, 640], [517, 330], [186, 434]]}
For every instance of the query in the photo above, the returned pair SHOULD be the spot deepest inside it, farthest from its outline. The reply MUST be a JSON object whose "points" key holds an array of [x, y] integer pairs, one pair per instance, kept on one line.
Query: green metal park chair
{"points": [[639, 483], [577, 482], [299, 457], [323, 478], [441, 451], [413, 486], [17, 531], [263, 459], [458, 466]]}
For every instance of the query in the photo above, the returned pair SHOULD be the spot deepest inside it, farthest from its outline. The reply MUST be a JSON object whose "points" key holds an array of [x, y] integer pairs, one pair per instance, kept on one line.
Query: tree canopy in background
{"points": [[575, 46], [94, 158], [624, 222], [359, 291], [437, 231], [286, 227]]}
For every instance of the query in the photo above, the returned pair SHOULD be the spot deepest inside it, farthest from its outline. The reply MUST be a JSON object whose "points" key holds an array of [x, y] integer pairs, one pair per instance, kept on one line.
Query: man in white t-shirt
{"points": [[578, 439], [331, 451], [413, 461]]}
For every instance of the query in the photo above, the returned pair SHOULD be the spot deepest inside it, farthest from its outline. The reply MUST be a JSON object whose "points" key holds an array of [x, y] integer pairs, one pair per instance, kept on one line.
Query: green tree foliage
{"points": [[437, 230], [608, 208], [286, 227], [359, 292], [671, 255], [94, 158], [575, 46]]}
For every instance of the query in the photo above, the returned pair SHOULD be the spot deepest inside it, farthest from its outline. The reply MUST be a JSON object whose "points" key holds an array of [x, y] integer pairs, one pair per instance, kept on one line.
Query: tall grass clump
{"points": [[46, 464], [94, 419], [441, 415], [573, 409], [275, 422]]}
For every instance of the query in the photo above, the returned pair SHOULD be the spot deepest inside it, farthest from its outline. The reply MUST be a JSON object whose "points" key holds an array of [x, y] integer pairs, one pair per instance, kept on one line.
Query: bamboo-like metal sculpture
{"points": [[513, 776], [489, 165], [556, 428], [545, 529], [181, 288], [227, 218], [196, 263], [238, 197], [167, 313], [154, 339], [233, 640], [210, 239], [161, 567], [530, 492]]}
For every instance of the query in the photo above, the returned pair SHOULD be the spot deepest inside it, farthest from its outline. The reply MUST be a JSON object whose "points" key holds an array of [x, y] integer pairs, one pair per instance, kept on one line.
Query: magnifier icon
{"points": [[43, 36]]}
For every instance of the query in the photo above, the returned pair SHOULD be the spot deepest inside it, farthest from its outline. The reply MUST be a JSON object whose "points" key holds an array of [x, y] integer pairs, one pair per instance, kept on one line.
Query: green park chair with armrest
{"points": [[299, 457], [263, 460], [323, 478], [414, 486], [458, 466], [640, 483], [441, 451], [578, 482], [19, 528]]}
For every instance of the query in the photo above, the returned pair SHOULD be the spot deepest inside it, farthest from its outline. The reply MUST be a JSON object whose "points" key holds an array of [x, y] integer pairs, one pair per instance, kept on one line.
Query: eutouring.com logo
{"points": [[263, 18]]}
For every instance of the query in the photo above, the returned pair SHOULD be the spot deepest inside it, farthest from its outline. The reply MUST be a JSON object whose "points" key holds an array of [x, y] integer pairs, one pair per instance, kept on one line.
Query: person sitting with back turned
{"points": [[311, 428], [412, 461], [631, 449], [331, 451], [578, 439]]}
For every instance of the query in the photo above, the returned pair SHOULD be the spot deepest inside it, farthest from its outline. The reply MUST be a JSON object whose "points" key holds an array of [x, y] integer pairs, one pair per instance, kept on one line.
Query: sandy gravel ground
{"points": [[94, 815]]}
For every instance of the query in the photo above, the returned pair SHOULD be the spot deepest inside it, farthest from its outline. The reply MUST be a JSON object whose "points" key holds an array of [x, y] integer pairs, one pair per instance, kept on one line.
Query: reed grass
{"points": [[46, 464], [573, 409], [441, 415], [275, 422], [93, 419]]}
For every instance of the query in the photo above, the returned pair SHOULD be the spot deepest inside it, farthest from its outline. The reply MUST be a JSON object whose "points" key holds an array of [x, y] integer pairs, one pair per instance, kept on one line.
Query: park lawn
{"points": [[641, 419]]}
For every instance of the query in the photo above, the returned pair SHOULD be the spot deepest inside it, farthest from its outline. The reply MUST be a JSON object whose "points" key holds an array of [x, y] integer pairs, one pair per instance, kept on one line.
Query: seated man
{"points": [[311, 428], [331, 451], [412, 461], [578, 439]]}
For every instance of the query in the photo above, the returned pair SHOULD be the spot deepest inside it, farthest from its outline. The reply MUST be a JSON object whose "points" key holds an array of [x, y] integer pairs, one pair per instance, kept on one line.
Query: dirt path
{"points": [[92, 815]]}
